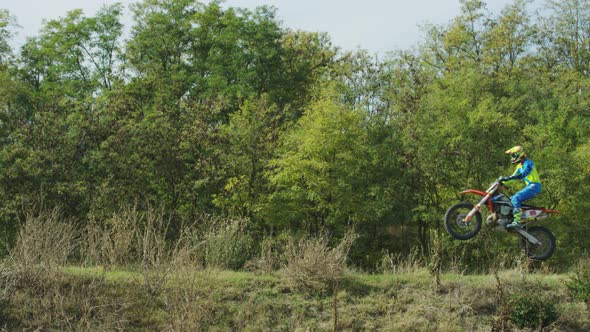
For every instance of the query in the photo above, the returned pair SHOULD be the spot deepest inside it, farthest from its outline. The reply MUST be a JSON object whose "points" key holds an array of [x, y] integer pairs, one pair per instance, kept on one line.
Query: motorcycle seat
{"points": [[534, 207]]}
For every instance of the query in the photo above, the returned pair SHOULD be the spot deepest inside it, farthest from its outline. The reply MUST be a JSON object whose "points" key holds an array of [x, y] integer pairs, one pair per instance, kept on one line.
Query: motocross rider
{"points": [[525, 170]]}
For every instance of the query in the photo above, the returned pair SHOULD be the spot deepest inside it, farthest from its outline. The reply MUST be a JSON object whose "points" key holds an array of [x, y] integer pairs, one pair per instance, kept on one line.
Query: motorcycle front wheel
{"points": [[457, 226], [540, 251]]}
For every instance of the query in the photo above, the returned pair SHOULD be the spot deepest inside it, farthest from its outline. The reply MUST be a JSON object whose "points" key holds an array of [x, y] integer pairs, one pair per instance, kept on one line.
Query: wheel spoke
{"points": [[456, 224], [543, 249]]}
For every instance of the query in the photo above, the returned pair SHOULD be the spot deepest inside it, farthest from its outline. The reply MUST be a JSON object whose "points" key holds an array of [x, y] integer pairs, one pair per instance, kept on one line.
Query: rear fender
{"points": [[535, 212]]}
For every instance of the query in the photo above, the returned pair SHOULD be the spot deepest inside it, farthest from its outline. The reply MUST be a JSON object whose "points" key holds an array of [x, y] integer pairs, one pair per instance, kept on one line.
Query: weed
{"points": [[229, 246], [44, 240], [500, 323], [579, 283], [187, 307], [272, 254], [531, 310], [312, 265], [435, 265], [402, 263], [112, 242]]}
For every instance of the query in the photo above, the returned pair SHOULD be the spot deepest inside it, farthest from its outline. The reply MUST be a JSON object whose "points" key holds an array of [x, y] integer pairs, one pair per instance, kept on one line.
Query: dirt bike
{"points": [[463, 220]]}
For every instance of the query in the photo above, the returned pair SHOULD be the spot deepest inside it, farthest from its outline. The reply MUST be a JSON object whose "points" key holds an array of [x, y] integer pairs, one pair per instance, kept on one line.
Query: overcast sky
{"points": [[375, 25]]}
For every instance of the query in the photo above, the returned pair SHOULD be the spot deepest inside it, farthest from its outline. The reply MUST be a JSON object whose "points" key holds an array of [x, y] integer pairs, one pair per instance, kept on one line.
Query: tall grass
{"points": [[111, 242], [402, 263], [35, 267], [169, 285], [45, 240], [228, 245], [272, 254], [313, 265], [579, 283]]}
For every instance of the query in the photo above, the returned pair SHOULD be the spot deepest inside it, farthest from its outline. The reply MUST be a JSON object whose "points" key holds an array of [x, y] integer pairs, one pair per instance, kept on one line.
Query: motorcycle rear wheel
{"points": [[545, 249], [456, 225]]}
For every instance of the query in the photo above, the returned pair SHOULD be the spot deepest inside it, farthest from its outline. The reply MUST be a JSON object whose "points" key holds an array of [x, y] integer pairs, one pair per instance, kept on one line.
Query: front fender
{"points": [[478, 193], [473, 191]]}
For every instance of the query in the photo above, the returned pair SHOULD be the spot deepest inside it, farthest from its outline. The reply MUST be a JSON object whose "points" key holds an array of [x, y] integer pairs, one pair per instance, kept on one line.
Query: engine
{"points": [[502, 214]]}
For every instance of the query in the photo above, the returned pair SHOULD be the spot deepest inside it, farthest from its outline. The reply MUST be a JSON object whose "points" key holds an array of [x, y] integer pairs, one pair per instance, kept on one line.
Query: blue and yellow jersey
{"points": [[527, 172]]}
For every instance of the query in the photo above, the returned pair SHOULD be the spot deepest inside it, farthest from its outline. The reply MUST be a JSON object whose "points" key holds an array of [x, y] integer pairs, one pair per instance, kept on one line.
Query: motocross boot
{"points": [[515, 222]]}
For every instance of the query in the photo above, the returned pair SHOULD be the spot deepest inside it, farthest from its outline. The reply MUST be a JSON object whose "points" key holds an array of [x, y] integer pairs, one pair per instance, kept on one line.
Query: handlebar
{"points": [[496, 183]]}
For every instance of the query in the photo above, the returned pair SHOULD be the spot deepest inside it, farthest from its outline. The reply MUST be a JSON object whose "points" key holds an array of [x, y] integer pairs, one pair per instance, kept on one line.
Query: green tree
{"points": [[73, 58], [322, 176], [51, 110], [308, 59], [252, 135], [563, 36], [6, 21]]}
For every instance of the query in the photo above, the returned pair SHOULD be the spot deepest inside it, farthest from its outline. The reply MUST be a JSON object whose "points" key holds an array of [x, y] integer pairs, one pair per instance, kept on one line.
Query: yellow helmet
{"points": [[516, 153]]}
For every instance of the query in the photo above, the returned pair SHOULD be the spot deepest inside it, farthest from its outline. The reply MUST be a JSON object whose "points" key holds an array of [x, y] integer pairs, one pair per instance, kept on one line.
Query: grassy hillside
{"points": [[57, 277], [89, 298]]}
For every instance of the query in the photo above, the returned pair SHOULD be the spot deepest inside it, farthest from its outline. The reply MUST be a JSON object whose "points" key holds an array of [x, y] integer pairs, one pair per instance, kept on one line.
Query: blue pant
{"points": [[527, 192]]}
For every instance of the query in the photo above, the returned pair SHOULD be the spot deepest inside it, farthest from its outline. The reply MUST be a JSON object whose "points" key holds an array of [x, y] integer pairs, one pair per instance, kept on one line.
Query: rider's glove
{"points": [[506, 178]]}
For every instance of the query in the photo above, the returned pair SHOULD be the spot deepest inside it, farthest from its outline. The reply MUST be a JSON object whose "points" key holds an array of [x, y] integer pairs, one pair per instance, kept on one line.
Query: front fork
{"points": [[477, 207]]}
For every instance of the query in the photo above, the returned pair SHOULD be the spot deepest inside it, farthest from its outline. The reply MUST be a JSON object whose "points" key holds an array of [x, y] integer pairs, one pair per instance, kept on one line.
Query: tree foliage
{"points": [[213, 109]]}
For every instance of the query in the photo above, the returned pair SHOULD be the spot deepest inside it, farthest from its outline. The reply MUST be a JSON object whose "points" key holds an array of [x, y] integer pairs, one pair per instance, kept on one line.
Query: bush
{"points": [[531, 310], [113, 241], [43, 245], [6, 239], [579, 284], [312, 265], [229, 246], [271, 254], [45, 240], [6, 289]]}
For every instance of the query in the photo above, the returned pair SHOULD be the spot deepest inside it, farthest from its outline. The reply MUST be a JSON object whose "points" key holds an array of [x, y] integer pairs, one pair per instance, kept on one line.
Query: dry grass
{"points": [[45, 240], [155, 257], [188, 307], [312, 265], [72, 304], [224, 300], [400, 263], [32, 280], [111, 243], [133, 237], [166, 286], [272, 255], [43, 245]]}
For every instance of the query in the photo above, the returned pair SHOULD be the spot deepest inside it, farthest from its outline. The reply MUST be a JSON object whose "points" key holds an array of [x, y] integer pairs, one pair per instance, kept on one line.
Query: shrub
{"points": [[114, 241], [312, 265], [43, 245], [272, 254], [229, 246], [186, 308], [6, 289], [44, 240], [579, 284], [153, 251], [531, 310]]}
